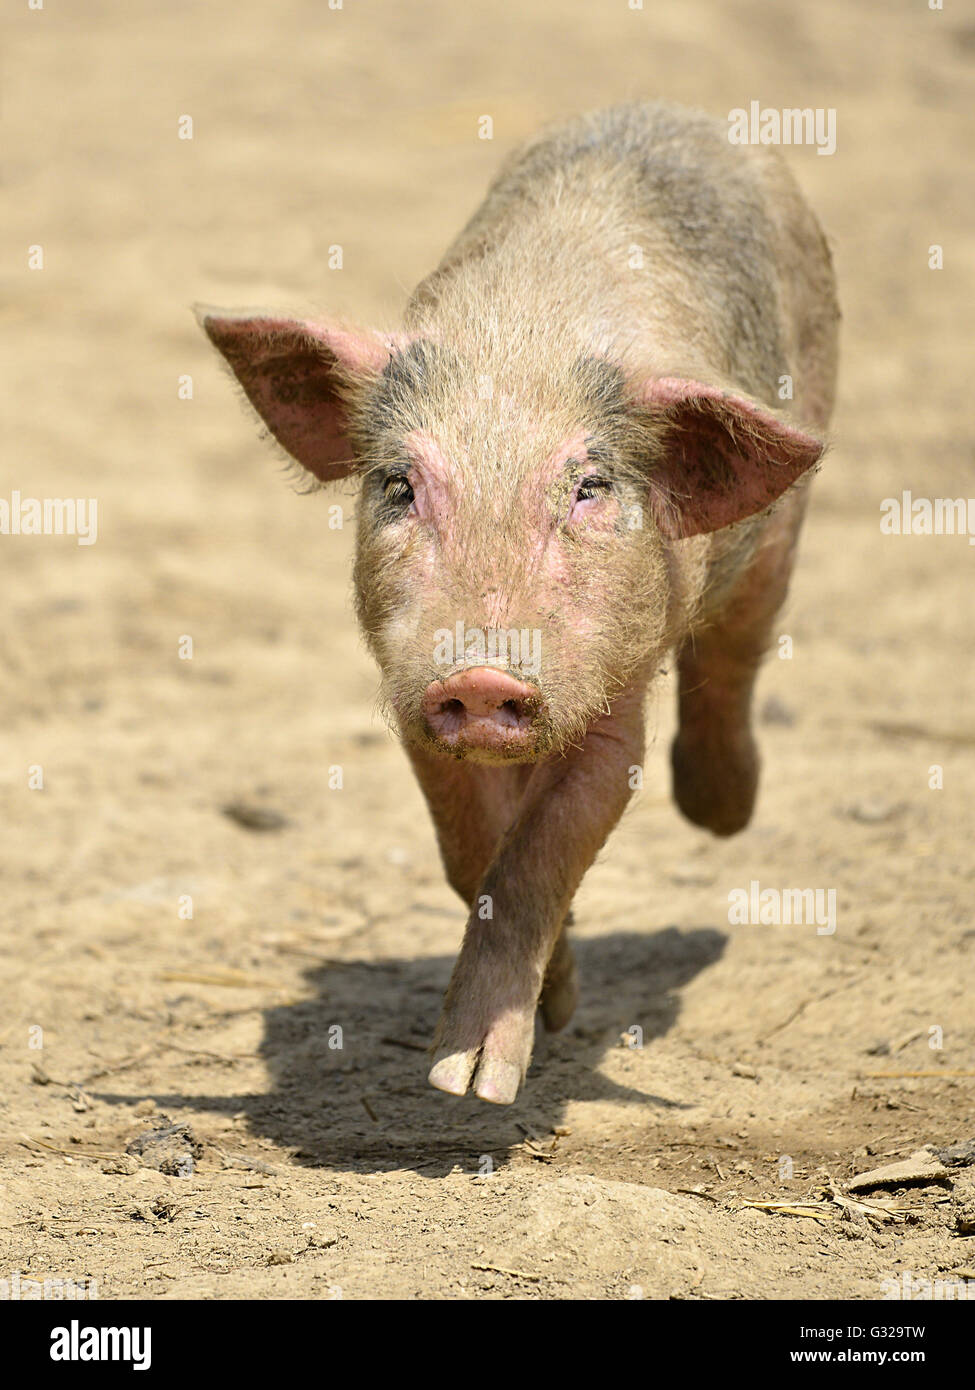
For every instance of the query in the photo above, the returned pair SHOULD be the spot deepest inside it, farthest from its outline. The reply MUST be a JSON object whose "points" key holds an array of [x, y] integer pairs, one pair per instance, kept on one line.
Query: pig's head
{"points": [[517, 512]]}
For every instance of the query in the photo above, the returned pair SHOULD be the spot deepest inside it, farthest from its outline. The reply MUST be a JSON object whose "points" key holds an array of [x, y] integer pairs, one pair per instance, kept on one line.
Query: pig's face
{"points": [[509, 576], [519, 500]]}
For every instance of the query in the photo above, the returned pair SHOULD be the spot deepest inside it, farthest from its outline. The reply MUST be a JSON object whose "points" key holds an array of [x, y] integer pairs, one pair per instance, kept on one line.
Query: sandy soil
{"points": [[322, 1171]]}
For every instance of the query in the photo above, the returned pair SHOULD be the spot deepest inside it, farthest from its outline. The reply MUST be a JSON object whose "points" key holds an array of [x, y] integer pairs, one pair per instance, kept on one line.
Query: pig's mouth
{"points": [[485, 715]]}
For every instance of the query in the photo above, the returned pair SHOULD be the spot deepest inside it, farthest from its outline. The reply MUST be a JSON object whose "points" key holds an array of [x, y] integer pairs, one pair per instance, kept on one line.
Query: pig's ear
{"points": [[296, 373], [724, 457]]}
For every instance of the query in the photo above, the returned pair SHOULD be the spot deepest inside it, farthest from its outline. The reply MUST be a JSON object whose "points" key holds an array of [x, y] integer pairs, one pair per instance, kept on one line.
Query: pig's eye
{"points": [[397, 490], [592, 487]]}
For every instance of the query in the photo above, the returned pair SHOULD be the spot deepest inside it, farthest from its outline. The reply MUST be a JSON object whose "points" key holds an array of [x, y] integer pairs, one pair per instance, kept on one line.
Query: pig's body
{"points": [[586, 396]]}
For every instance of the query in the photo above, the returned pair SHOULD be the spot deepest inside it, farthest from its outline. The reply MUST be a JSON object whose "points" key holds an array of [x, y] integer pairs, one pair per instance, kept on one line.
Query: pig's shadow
{"points": [[365, 1105]]}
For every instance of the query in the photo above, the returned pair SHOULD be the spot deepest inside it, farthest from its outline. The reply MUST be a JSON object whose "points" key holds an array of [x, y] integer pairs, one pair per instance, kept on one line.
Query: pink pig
{"points": [[574, 458]]}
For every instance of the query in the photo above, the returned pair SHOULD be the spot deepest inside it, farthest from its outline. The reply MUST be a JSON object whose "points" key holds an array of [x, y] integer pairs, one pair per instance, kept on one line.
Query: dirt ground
{"points": [[324, 1171]]}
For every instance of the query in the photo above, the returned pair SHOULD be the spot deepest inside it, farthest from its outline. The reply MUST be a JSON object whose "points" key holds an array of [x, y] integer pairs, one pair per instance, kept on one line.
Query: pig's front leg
{"points": [[472, 807], [512, 945]]}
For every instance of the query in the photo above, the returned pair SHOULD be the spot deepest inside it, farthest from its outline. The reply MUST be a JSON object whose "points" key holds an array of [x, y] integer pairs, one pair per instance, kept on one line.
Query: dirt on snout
{"points": [[225, 930]]}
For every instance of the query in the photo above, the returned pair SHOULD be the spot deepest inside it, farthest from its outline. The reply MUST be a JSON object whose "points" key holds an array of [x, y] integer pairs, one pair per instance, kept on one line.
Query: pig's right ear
{"points": [[297, 374]]}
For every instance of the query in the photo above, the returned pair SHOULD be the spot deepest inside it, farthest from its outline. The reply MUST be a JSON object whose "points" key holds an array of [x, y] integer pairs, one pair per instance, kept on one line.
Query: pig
{"points": [[587, 448]]}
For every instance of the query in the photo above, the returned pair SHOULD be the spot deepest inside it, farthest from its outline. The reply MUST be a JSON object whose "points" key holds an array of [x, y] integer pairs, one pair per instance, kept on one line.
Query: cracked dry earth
{"points": [[775, 1062]]}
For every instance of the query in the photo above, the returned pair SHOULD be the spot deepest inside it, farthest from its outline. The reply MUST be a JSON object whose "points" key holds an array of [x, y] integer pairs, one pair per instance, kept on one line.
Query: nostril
{"points": [[514, 710], [453, 707]]}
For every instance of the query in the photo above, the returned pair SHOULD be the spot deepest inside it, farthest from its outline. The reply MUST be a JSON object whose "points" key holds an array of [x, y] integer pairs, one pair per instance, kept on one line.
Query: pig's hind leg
{"points": [[714, 756]]}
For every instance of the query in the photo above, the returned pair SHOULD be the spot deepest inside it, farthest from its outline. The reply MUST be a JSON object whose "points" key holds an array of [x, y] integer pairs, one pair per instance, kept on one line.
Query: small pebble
{"points": [[253, 817]]}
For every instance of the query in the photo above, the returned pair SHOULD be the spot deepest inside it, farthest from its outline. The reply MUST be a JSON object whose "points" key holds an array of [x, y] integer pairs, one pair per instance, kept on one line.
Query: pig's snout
{"points": [[482, 709]]}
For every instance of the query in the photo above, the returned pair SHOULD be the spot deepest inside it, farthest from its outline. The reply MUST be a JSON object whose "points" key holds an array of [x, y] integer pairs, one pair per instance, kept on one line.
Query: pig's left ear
{"points": [[724, 457], [296, 374]]}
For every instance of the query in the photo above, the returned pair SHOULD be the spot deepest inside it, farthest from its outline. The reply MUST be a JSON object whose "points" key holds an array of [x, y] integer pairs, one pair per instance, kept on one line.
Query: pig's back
{"points": [[732, 279]]}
